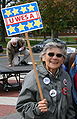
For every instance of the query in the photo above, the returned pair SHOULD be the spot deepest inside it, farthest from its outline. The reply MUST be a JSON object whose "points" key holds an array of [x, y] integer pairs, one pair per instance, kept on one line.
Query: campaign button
{"points": [[65, 90], [46, 80], [65, 81], [53, 93]]}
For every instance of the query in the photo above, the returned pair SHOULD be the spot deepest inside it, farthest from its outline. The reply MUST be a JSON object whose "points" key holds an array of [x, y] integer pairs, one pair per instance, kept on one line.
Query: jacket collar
{"points": [[43, 72]]}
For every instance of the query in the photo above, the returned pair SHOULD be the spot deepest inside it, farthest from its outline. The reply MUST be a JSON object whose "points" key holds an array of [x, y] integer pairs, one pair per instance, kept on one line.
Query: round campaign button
{"points": [[65, 81], [53, 93], [46, 80], [65, 90]]}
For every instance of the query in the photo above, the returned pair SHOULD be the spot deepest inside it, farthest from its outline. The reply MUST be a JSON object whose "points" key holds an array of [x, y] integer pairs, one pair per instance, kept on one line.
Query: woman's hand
{"points": [[42, 105]]}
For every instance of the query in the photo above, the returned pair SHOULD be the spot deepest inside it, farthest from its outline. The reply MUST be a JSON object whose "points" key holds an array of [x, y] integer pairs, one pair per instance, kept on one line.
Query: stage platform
{"points": [[7, 72]]}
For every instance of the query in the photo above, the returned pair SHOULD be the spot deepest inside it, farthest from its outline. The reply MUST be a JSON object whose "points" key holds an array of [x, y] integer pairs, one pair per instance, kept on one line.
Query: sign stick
{"points": [[34, 67]]}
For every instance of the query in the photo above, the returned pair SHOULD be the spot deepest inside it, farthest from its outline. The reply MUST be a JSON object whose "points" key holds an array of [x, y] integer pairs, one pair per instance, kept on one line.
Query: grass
{"points": [[33, 42], [70, 39], [4, 44]]}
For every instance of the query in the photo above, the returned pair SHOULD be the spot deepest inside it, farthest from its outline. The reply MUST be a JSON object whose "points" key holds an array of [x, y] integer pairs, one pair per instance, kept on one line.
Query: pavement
{"points": [[12, 116], [8, 102]]}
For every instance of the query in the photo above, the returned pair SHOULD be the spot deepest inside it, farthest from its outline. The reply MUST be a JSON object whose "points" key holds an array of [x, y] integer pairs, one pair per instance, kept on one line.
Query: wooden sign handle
{"points": [[34, 67]]}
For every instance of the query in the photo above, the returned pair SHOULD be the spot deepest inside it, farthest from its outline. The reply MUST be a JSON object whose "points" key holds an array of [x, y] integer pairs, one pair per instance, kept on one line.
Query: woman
{"points": [[56, 88]]}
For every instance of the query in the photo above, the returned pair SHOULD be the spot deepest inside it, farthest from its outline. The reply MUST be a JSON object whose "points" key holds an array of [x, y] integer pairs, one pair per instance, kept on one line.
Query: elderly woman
{"points": [[56, 88]]}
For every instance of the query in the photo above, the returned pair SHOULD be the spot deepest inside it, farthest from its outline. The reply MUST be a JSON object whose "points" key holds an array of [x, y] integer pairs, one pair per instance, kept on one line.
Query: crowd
{"points": [[57, 87]]}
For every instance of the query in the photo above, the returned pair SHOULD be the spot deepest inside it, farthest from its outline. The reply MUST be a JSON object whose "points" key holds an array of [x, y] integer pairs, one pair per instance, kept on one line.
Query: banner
{"points": [[22, 18]]}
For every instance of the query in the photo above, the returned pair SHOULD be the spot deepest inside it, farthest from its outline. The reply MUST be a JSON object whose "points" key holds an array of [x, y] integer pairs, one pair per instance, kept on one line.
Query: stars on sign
{"points": [[21, 27], [7, 12], [11, 29], [37, 23], [15, 11], [29, 25], [23, 9], [31, 8]]}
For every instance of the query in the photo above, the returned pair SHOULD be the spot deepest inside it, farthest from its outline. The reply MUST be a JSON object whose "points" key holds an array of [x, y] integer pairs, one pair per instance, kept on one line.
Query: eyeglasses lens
{"points": [[57, 55]]}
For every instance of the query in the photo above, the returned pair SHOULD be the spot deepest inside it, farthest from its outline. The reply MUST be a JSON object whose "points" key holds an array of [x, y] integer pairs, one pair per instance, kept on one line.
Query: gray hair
{"points": [[51, 45], [14, 39]]}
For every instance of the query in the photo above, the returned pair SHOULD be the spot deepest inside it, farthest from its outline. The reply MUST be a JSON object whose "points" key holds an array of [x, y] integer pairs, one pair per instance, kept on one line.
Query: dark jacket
{"points": [[11, 50], [59, 106]]}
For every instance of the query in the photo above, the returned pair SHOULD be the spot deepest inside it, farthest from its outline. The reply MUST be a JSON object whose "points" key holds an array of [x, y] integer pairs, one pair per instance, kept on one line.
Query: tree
{"points": [[3, 4], [57, 15]]}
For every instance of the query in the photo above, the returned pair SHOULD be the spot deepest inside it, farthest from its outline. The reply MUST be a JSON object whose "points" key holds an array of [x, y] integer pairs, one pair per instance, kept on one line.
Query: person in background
{"points": [[56, 87], [15, 47], [73, 75]]}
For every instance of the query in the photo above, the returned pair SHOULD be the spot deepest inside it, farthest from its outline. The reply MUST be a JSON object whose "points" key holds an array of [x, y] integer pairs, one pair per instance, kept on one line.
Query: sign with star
{"points": [[22, 18]]}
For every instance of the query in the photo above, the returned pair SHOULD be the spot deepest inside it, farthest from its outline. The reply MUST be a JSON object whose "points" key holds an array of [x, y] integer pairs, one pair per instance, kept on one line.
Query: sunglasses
{"points": [[50, 54]]}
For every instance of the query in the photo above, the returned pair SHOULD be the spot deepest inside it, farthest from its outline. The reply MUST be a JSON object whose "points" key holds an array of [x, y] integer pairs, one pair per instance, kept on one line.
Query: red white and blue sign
{"points": [[22, 18]]}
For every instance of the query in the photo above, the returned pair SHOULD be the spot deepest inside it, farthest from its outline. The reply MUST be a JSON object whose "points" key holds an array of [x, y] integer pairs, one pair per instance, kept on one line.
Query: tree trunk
{"points": [[2, 27], [44, 35], [52, 35], [55, 34]]}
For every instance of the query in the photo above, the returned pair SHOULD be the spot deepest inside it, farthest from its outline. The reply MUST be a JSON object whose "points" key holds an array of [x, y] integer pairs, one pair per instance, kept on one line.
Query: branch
{"points": [[8, 1]]}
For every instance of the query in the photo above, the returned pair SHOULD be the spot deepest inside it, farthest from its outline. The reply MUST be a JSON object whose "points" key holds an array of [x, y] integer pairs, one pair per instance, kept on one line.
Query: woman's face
{"points": [[53, 59]]}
